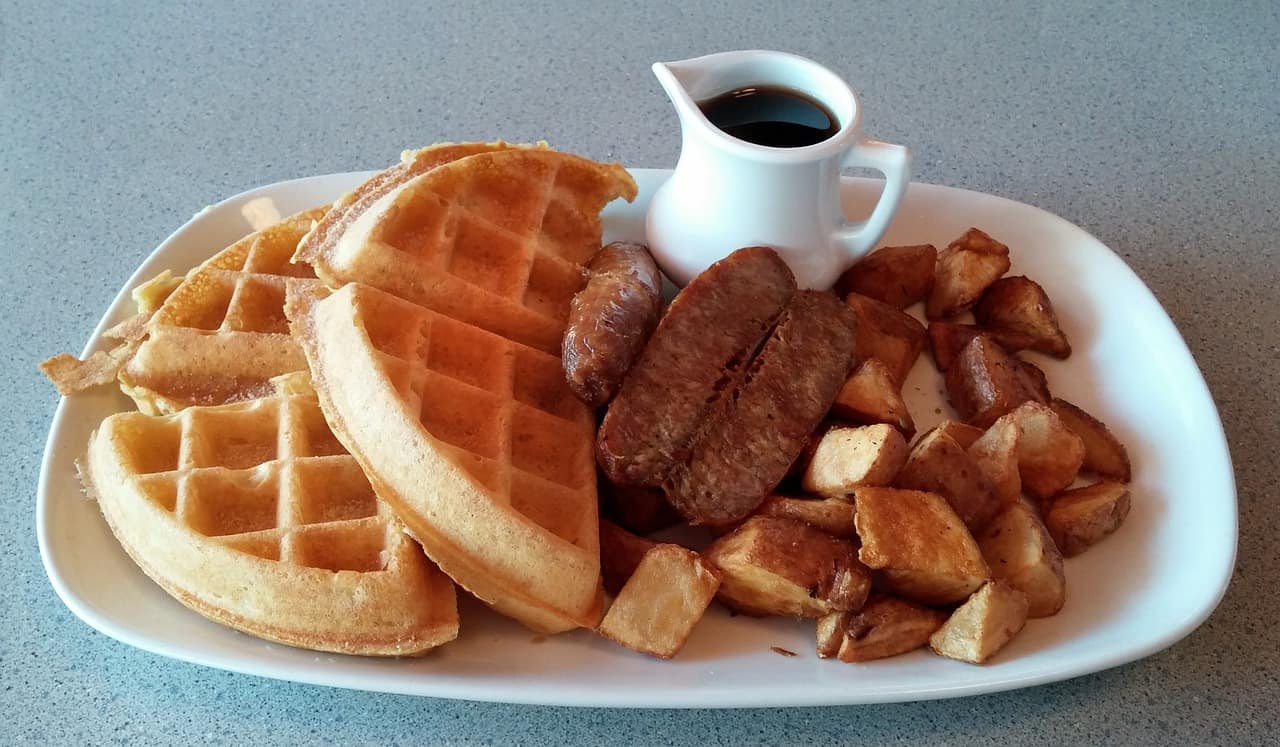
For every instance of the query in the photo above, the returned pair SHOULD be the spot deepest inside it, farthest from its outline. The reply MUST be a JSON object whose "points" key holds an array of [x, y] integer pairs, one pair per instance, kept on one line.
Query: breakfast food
{"points": [[610, 320], [753, 433], [459, 320], [253, 515], [701, 346]]}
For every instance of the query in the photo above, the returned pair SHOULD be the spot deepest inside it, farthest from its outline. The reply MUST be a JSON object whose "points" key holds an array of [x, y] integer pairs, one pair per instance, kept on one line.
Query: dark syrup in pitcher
{"points": [[770, 115]]}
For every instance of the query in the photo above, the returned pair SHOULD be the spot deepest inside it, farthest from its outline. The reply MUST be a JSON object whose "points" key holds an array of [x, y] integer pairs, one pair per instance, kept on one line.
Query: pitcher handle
{"points": [[894, 161]]}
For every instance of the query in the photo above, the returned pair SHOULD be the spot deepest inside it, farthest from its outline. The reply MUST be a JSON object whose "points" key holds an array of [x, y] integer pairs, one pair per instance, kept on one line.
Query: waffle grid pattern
{"points": [[502, 408], [267, 478]]}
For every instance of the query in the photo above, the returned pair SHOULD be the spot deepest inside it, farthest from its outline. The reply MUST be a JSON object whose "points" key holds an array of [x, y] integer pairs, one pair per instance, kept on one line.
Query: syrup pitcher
{"points": [[764, 137]]}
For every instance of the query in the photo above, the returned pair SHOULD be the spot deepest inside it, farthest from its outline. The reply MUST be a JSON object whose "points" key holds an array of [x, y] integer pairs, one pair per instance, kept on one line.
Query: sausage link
{"points": [[610, 320]]}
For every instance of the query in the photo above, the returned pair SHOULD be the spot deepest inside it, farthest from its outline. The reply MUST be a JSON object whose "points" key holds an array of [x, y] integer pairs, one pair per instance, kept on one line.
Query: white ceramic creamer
{"points": [[727, 193]]}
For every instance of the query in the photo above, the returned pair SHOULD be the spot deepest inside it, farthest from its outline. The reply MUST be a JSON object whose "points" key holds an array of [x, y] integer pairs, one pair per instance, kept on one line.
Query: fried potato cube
{"points": [[620, 553], [938, 464], [871, 395], [996, 454], [1080, 518], [657, 608], [1018, 304], [832, 515], [982, 625], [1103, 452], [965, 269], [924, 550], [775, 566], [946, 340], [1049, 454], [887, 626], [847, 458], [985, 382], [896, 275], [1031, 377], [1019, 550], [962, 433], [887, 333]]}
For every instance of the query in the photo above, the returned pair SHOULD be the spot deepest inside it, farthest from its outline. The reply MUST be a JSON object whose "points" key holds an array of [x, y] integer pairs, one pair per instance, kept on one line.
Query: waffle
{"points": [[474, 440], [496, 240], [221, 335], [253, 515]]}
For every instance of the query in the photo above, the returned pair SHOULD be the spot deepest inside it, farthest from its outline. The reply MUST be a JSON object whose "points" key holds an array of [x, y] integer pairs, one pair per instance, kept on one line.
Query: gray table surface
{"points": [[1157, 129]]}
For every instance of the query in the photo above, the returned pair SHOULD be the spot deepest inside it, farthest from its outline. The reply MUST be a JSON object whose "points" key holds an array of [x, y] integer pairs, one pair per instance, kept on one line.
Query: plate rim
{"points": [[563, 695]]}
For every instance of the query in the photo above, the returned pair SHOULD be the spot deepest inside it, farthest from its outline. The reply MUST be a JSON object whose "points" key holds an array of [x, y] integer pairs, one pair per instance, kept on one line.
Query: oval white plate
{"points": [[1136, 593]]}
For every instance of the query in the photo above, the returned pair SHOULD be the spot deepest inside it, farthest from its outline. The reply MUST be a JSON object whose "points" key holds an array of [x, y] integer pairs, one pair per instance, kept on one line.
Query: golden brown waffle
{"points": [[496, 239], [475, 441], [253, 515], [221, 335]]}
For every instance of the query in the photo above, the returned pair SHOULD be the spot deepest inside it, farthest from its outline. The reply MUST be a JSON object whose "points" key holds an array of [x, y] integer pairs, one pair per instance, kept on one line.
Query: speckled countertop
{"points": [[1156, 129]]}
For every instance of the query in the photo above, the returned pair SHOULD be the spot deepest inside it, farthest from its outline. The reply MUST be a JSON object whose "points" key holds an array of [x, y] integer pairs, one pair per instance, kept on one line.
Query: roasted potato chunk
{"points": [[1049, 454], [1018, 304], [938, 464], [886, 626], [1078, 519], [847, 458], [962, 433], [985, 382], [887, 333], [1103, 452], [656, 610], [1019, 550], [966, 268], [620, 553], [996, 454], [946, 340], [832, 515], [922, 547], [982, 625], [774, 566], [871, 395], [896, 275]]}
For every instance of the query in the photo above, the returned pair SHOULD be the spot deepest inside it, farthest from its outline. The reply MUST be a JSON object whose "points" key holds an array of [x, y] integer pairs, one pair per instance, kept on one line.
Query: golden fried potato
{"points": [[1103, 452], [896, 275], [832, 515], [922, 547], [620, 553], [996, 454], [946, 340], [871, 395], [985, 382], [657, 608], [1019, 305], [962, 433], [938, 464], [886, 626], [847, 458], [1080, 518], [1019, 550], [887, 333], [775, 566], [1049, 454], [965, 269], [982, 625]]}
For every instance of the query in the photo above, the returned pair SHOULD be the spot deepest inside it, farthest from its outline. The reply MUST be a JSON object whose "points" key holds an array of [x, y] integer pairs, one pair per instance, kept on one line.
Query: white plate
{"points": [[1136, 593]]}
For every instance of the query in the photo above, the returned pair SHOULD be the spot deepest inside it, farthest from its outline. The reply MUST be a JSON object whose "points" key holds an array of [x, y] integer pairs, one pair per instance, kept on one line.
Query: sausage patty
{"points": [[700, 349], [752, 435], [610, 320]]}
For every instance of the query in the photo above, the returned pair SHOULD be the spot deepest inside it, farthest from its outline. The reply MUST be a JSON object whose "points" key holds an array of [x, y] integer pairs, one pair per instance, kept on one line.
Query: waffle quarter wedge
{"points": [[253, 515]]}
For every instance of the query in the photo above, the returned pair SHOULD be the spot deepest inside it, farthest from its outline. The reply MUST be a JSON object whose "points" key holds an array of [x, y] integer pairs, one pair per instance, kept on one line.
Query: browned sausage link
{"points": [[751, 438], [610, 320], [702, 342]]}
